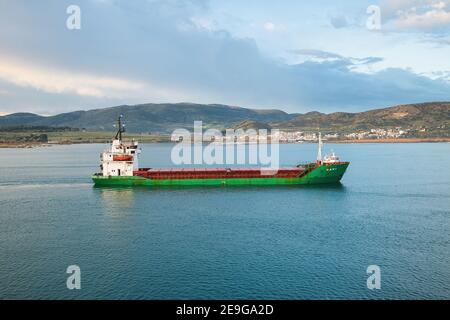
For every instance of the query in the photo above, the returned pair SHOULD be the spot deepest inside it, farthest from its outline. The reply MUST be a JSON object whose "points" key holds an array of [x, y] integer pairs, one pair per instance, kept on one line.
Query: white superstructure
{"points": [[329, 158], [121, 159]]}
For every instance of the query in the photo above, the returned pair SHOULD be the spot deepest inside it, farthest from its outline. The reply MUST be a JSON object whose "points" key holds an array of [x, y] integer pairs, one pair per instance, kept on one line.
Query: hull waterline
{"points": [[322, 174], [119, 167]]}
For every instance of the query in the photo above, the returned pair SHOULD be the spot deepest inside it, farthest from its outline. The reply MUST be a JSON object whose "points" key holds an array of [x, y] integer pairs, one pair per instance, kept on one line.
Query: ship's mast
{"points": [[319, 152], [121, 129]]}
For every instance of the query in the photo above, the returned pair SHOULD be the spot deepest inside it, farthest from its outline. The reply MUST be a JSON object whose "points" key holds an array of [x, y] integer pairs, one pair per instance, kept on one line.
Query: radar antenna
{"points": [[121, 128]]}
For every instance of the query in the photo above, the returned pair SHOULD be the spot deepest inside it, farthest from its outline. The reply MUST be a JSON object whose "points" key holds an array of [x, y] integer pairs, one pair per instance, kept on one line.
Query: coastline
{"points": [[22, 145], [396, 140]]}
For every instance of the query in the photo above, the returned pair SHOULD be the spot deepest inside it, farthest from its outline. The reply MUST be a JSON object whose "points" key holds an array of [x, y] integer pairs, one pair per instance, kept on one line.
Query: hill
{"points": [[424, 119], [150, 117], [432, 118], [424, 114], [251, 124]]}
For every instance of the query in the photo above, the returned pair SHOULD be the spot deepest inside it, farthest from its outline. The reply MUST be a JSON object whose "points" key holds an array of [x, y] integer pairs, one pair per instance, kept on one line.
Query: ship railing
{"points": [[306, 165]]}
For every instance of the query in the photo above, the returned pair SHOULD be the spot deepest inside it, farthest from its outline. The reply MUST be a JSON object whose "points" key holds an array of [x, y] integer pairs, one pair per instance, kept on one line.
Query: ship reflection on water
{"points": [[111, 191], [117, 202]]}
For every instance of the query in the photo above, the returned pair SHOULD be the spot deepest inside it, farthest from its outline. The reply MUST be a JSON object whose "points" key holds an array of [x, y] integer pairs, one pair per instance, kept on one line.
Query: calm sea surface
{"points": [[392, 210]]}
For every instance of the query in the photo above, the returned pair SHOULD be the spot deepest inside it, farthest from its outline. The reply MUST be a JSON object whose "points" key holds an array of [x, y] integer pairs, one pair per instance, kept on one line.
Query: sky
{"points": [[293, 55]]}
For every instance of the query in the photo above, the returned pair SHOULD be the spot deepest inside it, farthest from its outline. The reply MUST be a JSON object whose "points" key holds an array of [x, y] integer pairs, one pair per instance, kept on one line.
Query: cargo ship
{"points": [[119, 167]]}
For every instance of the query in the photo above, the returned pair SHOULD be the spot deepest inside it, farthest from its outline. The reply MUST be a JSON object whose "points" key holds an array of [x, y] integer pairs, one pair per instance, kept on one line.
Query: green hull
{"points": [[324, 174]]}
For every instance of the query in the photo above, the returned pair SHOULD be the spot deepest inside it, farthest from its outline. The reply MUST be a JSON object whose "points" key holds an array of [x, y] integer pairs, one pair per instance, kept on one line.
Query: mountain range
{"points": [[164, 118]]}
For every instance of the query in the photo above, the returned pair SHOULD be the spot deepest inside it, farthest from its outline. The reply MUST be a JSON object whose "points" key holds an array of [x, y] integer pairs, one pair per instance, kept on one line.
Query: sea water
{"points": [[392, 210]]}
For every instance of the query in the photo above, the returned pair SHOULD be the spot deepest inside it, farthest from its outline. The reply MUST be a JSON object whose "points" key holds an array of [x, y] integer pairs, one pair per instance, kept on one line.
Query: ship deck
{"points": [[218, 173]]}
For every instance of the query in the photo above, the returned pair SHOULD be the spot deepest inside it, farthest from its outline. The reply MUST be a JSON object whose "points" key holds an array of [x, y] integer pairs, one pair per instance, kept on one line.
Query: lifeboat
{"points": [[124, 157]]}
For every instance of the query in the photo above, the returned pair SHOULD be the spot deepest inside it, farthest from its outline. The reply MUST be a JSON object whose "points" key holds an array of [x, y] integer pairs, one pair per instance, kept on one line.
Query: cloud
{"points": [[339, 21], [430, 20], [317, 54], [439, 40], [269, 27], [154, 51], [328, 84], [322, 56], [64, 81], [429, 16], [369, 60]]}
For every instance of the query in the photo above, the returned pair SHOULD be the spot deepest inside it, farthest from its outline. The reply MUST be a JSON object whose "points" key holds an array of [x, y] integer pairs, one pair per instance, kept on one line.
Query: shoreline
{"points": [[396, 140], [21, 145]]}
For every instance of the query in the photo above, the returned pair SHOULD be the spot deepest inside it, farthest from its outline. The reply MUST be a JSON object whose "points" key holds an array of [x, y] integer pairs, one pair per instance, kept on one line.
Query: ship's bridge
{"points": [[121, 159], [331, 158]]}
